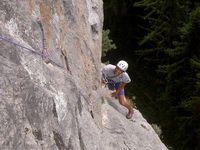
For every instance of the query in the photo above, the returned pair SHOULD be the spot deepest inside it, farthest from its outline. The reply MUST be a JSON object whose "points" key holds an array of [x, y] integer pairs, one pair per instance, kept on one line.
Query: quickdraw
{"points": [[32, 50], [44, 49]]}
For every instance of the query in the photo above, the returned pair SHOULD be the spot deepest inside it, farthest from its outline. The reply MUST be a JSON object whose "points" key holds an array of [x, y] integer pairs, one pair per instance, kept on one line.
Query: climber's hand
{"points": [[114, 94]]}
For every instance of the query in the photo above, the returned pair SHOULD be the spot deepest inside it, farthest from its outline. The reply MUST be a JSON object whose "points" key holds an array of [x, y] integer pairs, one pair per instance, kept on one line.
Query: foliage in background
{"points": [[172, 48], [157, 129], [107, 43], [165, 69], [119, 19]]}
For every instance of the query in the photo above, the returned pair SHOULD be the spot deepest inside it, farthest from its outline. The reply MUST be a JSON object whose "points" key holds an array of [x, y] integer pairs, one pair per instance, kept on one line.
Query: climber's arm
{"points": [[114, 94]]}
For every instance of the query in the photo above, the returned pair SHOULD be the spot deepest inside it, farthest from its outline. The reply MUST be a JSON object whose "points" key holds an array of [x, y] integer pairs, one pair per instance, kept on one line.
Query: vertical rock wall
{"points": [[43, 104]]}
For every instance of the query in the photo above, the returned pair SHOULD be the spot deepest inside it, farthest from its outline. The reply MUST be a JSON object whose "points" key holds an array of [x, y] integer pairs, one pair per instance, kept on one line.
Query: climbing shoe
{"points": [[129, 114]]}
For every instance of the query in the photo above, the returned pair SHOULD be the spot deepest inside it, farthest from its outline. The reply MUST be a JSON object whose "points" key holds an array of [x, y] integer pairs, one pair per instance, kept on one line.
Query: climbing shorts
{"points": [[114, 86]]}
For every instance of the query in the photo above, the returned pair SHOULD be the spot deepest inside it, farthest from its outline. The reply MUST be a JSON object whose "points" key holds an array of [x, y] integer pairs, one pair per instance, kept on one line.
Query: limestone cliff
{"points": [[50, 69]]}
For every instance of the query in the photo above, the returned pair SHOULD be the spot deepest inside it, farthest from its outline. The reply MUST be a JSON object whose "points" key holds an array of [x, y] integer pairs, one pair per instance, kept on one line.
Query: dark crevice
{"points": [[59, 141]]}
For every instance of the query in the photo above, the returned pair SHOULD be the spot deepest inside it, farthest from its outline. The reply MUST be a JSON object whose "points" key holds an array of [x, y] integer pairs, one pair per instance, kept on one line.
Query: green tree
{"points": [[164, 18], [172, 48], [119, 19], [182, 77], [107, 43]]}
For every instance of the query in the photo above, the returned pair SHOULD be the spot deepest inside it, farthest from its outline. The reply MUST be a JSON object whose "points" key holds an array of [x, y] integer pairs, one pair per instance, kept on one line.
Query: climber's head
{"points": [[121, 66]]}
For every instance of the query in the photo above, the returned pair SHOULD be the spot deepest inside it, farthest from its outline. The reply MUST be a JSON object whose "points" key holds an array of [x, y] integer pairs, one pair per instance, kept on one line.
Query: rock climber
{"points": [[116, 78]]}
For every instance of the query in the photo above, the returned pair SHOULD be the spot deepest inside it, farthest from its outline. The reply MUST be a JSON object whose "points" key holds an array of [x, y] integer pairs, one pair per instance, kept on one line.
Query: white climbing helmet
{"points": [[123, 65]]}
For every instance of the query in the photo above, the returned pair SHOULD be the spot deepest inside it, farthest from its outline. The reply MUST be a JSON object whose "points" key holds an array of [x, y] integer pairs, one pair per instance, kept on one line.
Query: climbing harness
{"points": [[109, 83], [105, 80]]}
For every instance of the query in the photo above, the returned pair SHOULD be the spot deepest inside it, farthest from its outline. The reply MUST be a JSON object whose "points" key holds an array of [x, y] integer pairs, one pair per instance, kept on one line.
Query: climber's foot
{"points": [[129, 114]]}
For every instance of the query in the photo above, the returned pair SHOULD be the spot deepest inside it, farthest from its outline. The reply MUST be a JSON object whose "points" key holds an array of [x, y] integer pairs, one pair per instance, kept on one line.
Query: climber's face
{"points": [[117, 71]]}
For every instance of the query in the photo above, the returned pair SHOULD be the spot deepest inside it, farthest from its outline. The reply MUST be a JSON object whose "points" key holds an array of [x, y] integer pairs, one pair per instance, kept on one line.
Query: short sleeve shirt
{"points": [[109, 74]]}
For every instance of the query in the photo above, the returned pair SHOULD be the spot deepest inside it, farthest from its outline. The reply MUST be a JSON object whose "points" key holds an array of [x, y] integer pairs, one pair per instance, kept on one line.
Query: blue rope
{"points": [[32, 50]]}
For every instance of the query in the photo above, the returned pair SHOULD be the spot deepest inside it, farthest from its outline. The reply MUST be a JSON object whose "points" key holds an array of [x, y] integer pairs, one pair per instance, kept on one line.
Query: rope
{"points": [[90, 104], [43, 54], [32, 50], [44, 49]]}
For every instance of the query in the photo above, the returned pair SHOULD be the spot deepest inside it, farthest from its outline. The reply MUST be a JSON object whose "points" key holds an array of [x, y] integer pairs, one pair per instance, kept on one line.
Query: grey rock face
{"points": [[44, 100], [120, 133]]}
